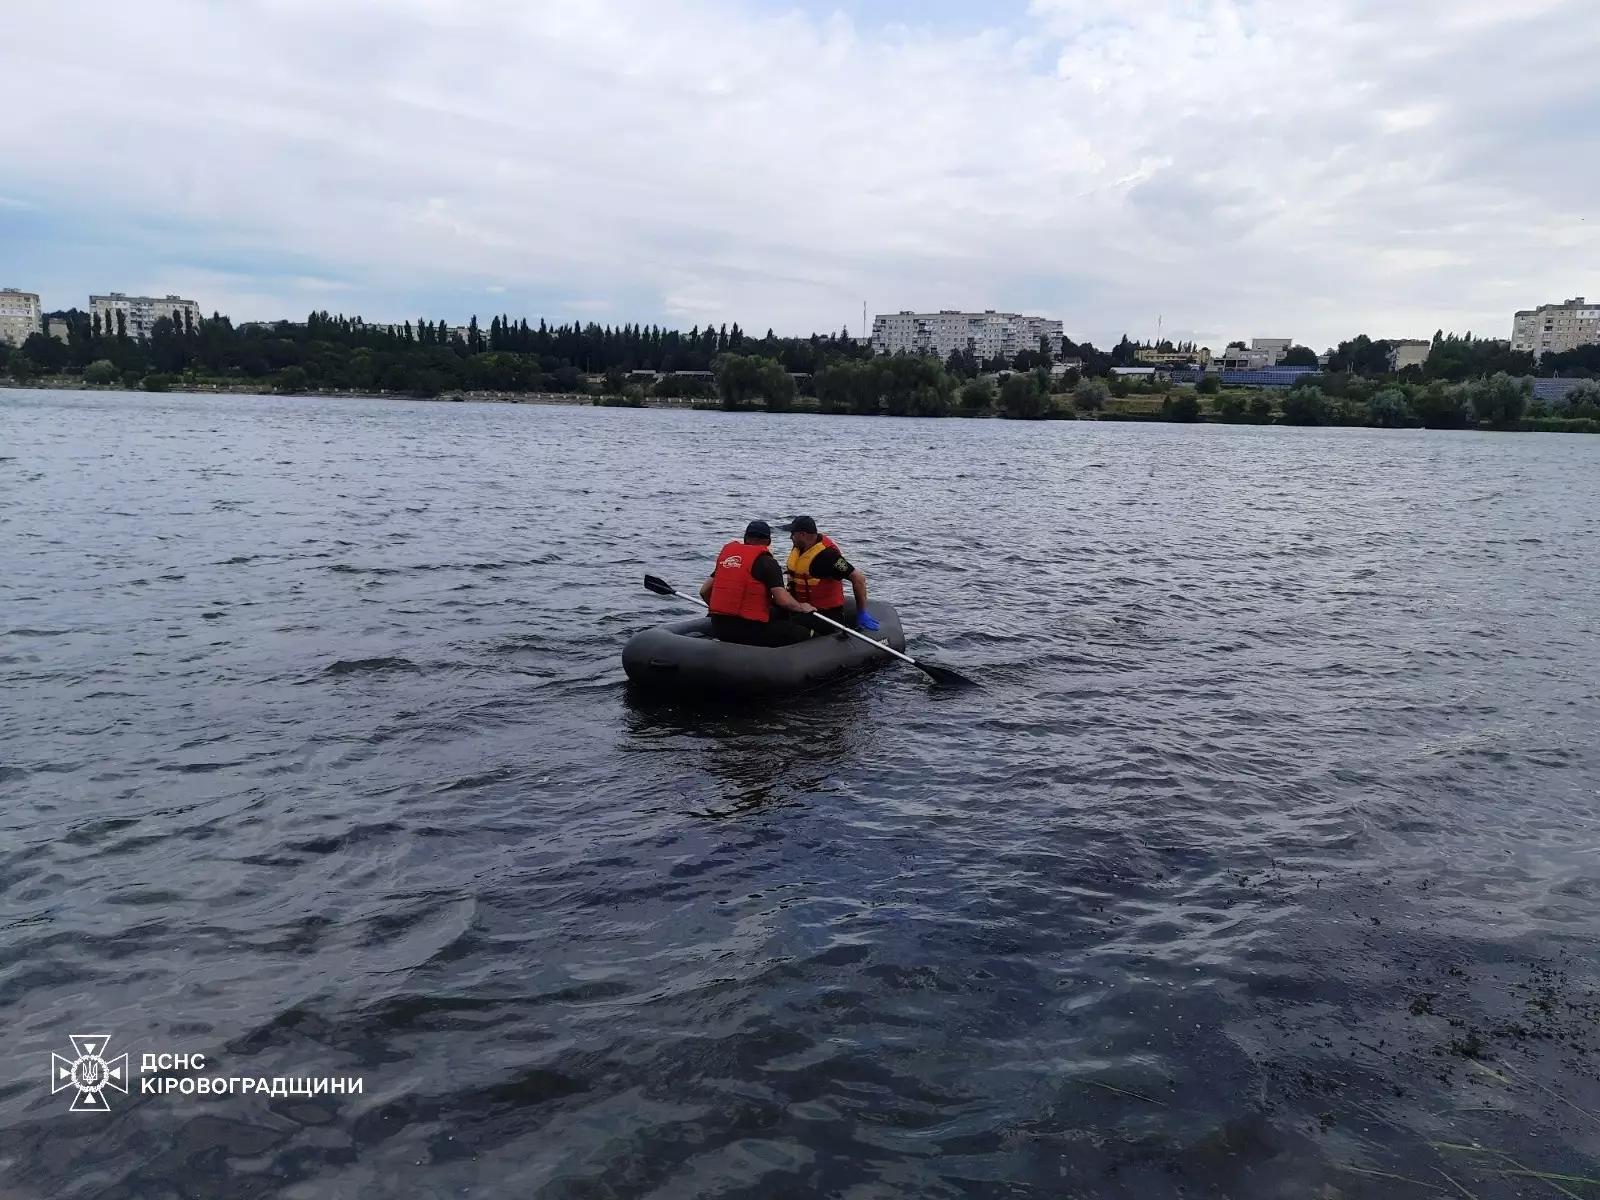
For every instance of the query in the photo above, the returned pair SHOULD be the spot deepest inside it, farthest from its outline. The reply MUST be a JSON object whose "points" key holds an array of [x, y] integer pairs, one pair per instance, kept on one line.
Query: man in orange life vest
{"points": [[817, 573], [744, 588]]}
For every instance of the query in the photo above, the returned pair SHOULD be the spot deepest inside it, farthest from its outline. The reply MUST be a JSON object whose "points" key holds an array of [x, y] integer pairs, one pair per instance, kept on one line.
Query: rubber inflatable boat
{"points": [[684, 658]]}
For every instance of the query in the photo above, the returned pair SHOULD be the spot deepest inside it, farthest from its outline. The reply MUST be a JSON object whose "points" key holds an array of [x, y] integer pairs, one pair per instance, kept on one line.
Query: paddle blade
{"points": [[659, 586], [945, 676]]}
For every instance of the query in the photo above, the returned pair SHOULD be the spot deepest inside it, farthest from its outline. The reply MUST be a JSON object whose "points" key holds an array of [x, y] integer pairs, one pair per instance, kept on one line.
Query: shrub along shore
{"points": [[921, 387], [1397, 406]]}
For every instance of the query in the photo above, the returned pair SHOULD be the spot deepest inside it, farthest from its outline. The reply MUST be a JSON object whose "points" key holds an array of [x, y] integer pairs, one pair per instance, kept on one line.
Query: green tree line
{"points": [[420, 358], [425, 357], [900, 385], [1498, 401], [922, 387]]}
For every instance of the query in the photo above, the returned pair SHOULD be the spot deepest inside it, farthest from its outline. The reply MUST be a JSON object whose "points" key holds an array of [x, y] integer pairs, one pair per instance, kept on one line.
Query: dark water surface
{"points": [[1266, 862]]}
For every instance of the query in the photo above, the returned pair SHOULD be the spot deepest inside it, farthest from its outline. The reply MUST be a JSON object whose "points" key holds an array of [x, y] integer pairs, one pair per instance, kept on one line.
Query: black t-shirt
{"points": [[766, 570], [830, 564]]}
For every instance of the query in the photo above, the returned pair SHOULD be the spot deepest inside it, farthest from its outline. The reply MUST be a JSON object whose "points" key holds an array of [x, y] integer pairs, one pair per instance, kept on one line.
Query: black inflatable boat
{"points": [[684, 658]]}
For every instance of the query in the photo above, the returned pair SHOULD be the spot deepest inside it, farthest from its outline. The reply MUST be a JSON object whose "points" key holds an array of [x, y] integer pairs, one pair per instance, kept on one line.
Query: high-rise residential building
{"points": [[140, 313], [19, 316], [1553, 328], [57, 328], [987, 334]]}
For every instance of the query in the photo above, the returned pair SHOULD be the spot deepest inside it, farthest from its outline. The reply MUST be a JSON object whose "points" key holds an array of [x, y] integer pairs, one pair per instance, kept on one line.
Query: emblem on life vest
{"points": [[733, 560]]}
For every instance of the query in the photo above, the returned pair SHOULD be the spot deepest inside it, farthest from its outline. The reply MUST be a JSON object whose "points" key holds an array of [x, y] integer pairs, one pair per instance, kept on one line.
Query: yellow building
{"points": [[1408, 352], [1172, 358]]}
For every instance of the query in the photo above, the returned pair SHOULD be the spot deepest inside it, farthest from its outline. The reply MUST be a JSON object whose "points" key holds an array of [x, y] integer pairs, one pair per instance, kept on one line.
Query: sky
{"points": [[1217, 169]]}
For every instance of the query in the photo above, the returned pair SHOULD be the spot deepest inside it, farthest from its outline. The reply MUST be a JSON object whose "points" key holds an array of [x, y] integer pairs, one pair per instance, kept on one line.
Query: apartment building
{"points": [[1553, 328], [140, 313], [986, 334], [19, 316]]}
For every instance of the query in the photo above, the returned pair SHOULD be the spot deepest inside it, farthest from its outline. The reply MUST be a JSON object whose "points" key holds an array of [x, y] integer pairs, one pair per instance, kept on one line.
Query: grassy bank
{"points": [[1451, 408], [234, 387]]}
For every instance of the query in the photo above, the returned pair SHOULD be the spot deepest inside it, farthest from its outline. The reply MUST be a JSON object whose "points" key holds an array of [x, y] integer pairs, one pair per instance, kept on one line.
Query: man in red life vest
{"points": [[744, 588], [817, 573]]}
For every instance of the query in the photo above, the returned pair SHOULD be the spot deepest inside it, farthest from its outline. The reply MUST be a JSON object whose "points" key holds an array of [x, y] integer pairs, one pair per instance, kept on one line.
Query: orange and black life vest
{"points": [[735, 592], [809, 588]]}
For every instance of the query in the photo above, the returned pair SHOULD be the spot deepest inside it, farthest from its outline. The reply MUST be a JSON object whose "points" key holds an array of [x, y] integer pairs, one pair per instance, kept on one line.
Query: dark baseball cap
{"points": [[758, 531], [800, 525]]}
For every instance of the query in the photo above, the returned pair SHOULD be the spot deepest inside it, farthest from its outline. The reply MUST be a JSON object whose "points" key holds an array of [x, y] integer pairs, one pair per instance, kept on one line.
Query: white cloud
{"points": [[1241, 166], [314, 283], [1403, 120]]}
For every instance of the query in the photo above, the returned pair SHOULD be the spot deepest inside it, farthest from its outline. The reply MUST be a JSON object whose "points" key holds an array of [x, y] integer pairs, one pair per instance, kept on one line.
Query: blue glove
{"points": [[867, 621]]}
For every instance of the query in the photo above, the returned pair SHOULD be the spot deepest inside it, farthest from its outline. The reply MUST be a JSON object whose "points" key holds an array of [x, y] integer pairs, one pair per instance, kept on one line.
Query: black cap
{"points": [[800, 525], [758, 531]]}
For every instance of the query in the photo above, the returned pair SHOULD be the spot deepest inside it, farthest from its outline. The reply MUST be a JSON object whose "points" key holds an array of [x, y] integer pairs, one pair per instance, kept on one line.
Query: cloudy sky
{"points": [[1295, 168]]}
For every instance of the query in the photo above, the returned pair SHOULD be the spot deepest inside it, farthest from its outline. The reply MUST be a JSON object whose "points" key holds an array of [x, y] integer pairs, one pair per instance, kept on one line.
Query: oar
{"points": [[940, 675]]}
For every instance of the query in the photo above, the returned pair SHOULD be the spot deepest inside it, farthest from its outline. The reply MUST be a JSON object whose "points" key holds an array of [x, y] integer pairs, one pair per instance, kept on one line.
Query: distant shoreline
{"points": [[72, 384], [1136, 409]]}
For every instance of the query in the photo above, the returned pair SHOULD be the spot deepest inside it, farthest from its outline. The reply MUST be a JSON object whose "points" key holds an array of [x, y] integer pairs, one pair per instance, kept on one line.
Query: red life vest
{"points": [[808, 588], [735, 592]]}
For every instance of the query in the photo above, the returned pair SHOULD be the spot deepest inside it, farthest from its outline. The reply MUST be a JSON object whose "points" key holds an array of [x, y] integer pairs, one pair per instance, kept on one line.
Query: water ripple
{"points": [[1261, 864]]}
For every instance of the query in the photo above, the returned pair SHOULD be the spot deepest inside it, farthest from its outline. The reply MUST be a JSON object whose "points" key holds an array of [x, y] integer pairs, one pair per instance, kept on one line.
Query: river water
{"points": [[1264, 862]]}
